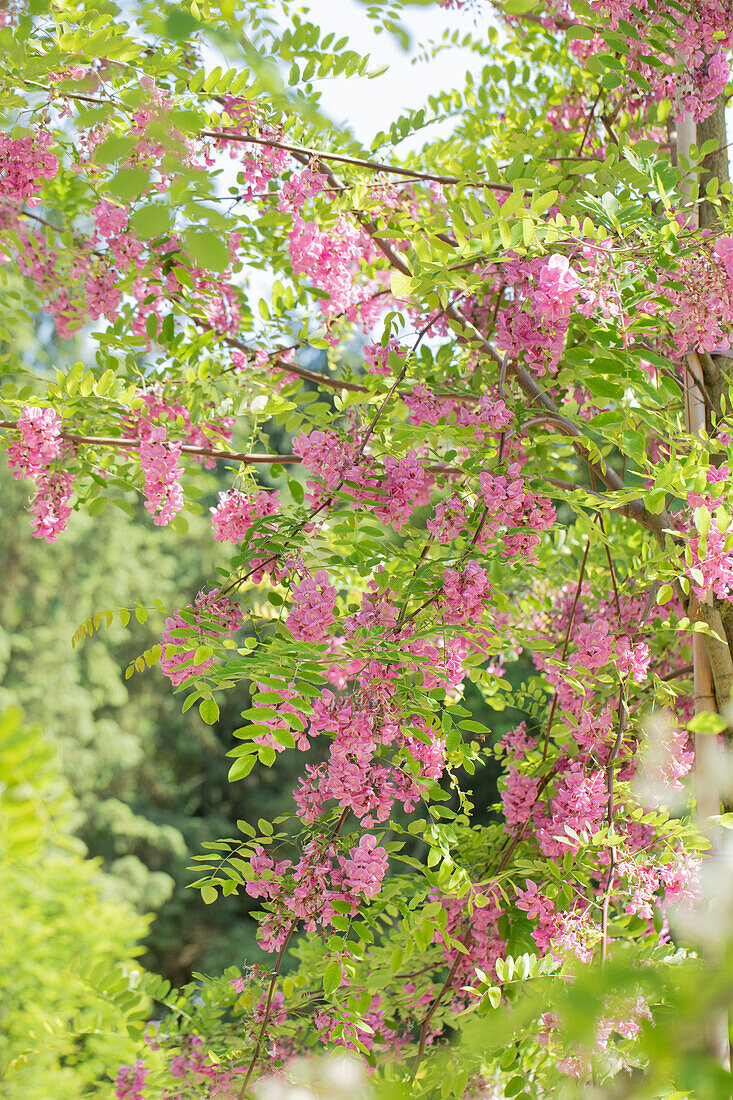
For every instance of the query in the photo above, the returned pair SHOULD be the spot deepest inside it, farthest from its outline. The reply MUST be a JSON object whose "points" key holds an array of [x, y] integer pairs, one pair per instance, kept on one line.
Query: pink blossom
{"points": [[375, 356], [236, 512], [536, 906], [634, 661], [365, 867], [312, 613], [130, 1080], [159, 462], [31, 457], [466, 593], [24, 164]]}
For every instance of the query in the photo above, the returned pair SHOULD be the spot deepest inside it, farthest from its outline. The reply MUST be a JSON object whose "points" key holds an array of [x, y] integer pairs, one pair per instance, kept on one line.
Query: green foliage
{"points": [[67, 951]]}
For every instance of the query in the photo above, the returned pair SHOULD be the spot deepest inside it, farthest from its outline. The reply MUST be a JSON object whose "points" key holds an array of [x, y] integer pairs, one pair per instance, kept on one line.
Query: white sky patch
{"points": [[368, 106]]}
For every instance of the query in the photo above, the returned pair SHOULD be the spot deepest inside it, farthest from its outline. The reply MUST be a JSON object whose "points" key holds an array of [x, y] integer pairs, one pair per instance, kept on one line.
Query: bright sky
{"points": [[368, 106]]}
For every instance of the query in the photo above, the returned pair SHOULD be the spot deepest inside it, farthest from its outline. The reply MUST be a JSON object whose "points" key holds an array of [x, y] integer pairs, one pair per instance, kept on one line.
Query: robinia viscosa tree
{"points": [[509, 466]]}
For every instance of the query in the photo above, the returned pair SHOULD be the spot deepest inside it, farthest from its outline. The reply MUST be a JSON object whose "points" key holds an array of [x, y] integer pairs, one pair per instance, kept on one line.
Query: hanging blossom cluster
{"points": [[328, 258], [337, 462], [511, 515], [24, 164], [156, 408], [331, 259], [159, 461], [534, 324], [236, 512], [310, 890], [702, 36], [702, 299], [561, 815], [428, 408], [211, 616], [314, 599], [365, 769], [33, 457], [709, 551], [160, 456]]}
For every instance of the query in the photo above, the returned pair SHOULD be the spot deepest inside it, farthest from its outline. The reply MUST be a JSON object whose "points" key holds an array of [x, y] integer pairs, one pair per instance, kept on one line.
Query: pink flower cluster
{"points": [[366, 769], [109, 218], [313, 601], [31, 457], [309, 889], [449, 520], [710, 555], [258, 165], [159, 464], [213, 615], [130, 1081], [299, 187], [156, 407], [509, 504], [337, 462], [699, 37], [533, 327], [632, 659], [560, 932], [427, 408], [702, 298], [332, 459], [41, 444], [24, 164], [329, 259], [50, 506], [365, 867], [519, 798], [406, 485], [236, 512], [487, 944], [192, 1068], [578, 804], [466, 592]]}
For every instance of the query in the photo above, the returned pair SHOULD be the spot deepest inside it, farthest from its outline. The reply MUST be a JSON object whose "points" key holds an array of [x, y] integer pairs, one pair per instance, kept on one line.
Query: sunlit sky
{"points": [[368, 106]]}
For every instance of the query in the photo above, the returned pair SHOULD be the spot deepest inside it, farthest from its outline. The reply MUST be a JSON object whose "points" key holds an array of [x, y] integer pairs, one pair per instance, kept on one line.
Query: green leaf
{"points": [[208, 894], [402, 285], [129, 183], [514, 1087], [580, 31], [707, 722], [209, 711], [332, 977], [180, 23], [150, 221], [296, 490], [241, 768], [206, 249]]}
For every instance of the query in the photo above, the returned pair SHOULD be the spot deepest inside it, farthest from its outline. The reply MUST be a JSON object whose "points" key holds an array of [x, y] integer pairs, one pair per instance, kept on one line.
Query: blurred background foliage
{"points": [[61, 923]]}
